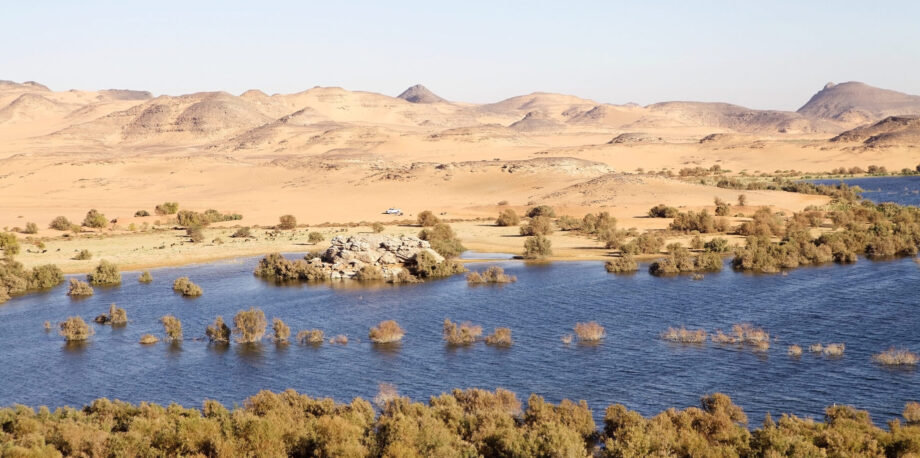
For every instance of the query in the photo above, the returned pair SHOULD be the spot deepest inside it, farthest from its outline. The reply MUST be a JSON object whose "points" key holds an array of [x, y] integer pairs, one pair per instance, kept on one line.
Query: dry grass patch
{"points": [[149, 339], [684, 335], [795, 350], [896, 357], [500, 337], [310, 336], [589, 332], [464, 333], [834, 349], [340, 339], [386, 332], [566, 339]]}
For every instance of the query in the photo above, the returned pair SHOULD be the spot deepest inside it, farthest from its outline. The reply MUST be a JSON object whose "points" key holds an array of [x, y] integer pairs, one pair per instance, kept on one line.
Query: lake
{"points": [[904, 190]]}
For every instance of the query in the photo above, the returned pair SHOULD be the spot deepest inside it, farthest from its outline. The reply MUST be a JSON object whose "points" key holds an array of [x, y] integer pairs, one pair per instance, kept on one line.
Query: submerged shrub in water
{"points": [[173, 328], [896, 357], [795, 350], [310, 336], [589, 332], [74, 329], [185, 287], [493, 274], [218, 332], [79, 288], [464, 333], [280, 330], [387, 331], [104, 274], [684, 335], [249, 325], [148, 339], [145, 277], [500, 337], [623, 264]]}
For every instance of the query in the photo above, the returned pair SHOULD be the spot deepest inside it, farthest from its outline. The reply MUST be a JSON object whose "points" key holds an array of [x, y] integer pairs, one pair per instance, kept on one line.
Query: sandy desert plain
{"points": [[337, 158]]}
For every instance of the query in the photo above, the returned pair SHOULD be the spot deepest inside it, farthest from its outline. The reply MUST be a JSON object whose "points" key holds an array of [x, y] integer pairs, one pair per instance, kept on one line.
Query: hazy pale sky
{"points": [[771, 54]]}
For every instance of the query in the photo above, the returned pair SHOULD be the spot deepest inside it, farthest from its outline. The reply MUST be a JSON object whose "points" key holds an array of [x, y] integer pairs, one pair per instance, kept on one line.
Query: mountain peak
{"points": [[419, 94]]}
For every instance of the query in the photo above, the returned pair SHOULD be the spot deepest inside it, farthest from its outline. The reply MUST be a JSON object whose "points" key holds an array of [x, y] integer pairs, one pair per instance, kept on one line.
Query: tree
{"points": [[537, 247], [538, 225], [427, 219], [287, 222]]}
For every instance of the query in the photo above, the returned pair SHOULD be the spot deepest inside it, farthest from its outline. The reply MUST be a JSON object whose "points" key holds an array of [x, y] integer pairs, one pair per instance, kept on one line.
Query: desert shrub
{"points": [[310, 336], [287, 222], [340, 339], [145, 277], [541, 210], [185, 287], [315, 237], [600, 225], [723, 208], [717, 245], [31, 228], [568, 223], [278, 268], [679, 260], [662, 211], [386, 332], [243, 232], [537, 247], [794, 350], [83, 255], [764, 223], [622, 264], [44, 276], [696, 243], [149, 339], [172, 327], [195, 234], [60, 223], [280, 331], [426, 219], [896, 357], [9, 245], [117, 315], [443, 239], [539, 225], [369, 273], [95, 219], [701, 222], [834, 349], [79, 288], [188, 218], [493, 274], [816, 348], [464, 333], [218, 331], [377, 227], [500, 337], [744, 334], [742, 200], [104, 274], [141, 213], [426, 265], [249, 325], [166, 208], [684, 335], [508, 217], [74, 329], [589, 332], [645, 243], [911, 412]]}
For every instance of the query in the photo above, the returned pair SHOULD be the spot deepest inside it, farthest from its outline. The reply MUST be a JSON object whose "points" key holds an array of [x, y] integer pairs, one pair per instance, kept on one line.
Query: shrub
{"points": [[912, 409], [278, 268], [145, 277], [386, 332], [622, 264], [744, 334], [310, 336], [172, 327], [723, 208], [105, 273], [95, 219], [645, 243], [315, 237], [464, 333], [500, 337], [680, 261], [742, 200], [117, 316], [701, 222], [816, 348], [684, 335], [567, 223], [794, 350], [716, 245], [218, 332], [280, 331], [149, 339], [74, 329], [589, 332], [538, 225], [895, 357], [44, 276], [287, 222], [834, 349], [185, 287], [83, 255], [537, 247], [60, 223], [369, 272], [195, 234], [31, 228], [541, 210], [141, 213], [249, 325], [662, 211], [426, 265], [493, 274], [167, 208], [508, 217], [377, 227], [764, 223], [340, 339], [243, 232], [426, 219], [79, 288], [443, 239], [9, 245]]}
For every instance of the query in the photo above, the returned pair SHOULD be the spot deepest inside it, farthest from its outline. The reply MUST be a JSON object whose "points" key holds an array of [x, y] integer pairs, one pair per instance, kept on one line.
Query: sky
{"points": [[767, 55]]}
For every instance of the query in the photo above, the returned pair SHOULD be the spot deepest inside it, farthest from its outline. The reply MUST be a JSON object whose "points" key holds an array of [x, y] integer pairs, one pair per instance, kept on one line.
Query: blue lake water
{"points": [[901, 190], [870, 306]]}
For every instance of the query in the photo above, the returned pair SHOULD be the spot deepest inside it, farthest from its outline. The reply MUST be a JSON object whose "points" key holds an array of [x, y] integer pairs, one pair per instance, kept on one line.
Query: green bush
{"points": [[701, 222], [764, 223], [95, 219], [662, 211], [9, 244], [717, 245], [79, 288], [443, 239], [104, 274], [60, 223], [537, 247], [645, 243], [287, 222], [278, 268], [508, 217]]}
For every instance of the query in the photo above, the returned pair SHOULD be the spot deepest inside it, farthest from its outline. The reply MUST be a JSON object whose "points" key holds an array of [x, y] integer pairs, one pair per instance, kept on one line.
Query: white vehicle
{"points": [[393, 211]]}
